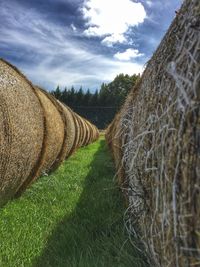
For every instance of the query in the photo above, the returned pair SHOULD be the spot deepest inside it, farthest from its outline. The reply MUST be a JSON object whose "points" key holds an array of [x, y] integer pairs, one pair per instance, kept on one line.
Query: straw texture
{"points": [[70, 132], [22, 125], [37, 132], [55, 130], [160, 133]]}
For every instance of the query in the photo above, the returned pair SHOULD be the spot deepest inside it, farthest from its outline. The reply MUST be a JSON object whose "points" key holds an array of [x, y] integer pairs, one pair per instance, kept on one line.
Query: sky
{"points": [[82, 42]]}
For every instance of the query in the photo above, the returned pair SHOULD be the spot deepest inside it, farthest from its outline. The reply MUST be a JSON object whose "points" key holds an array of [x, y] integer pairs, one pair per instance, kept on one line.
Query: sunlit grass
{"points": [[73, 217]]}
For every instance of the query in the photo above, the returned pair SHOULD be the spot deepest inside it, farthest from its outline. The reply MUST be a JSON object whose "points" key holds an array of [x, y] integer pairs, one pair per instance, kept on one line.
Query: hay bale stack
{"points": [[22, 125], [37, 132], [54, 136], [88, 133], [160, 126]]}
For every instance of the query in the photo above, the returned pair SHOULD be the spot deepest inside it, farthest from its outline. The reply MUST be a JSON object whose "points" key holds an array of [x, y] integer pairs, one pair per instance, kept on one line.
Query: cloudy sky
{"points": [[81, 42]]}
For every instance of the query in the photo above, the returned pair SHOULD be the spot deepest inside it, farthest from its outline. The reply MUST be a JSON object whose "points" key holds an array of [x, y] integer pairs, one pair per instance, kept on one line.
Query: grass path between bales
{"points": [[71, 218]]}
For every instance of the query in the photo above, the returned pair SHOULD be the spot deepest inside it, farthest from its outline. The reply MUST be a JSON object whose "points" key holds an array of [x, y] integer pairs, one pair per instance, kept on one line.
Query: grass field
{"points": [[71, 218]]}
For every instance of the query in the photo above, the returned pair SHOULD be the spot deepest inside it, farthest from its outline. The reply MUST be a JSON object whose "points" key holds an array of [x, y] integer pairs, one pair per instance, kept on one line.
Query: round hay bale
{"points": [[80, 130], [55, 129], [97, 133], [160, 143], [77, 131], [108, 135], [54, 136], [83, 131], [116, 147], [70, 136], [87, 133], [22, 128], [93, 133], [90, 132]]}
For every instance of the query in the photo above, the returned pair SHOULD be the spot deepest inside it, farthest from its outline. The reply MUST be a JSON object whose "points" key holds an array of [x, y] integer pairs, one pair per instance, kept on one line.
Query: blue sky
{"points": [[81, 42]]}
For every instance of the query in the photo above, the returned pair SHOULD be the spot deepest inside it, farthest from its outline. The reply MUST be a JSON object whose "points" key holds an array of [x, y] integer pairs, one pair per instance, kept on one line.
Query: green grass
{"points": [[71, 218]]}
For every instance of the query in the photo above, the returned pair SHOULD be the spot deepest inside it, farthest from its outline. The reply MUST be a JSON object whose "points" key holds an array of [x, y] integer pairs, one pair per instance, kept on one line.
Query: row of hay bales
{"points": [[37, 132], [155, 141]]}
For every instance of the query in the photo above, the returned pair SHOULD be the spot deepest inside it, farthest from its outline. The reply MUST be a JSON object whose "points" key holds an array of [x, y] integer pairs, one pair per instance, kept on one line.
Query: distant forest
{"points": [[99, 107]]}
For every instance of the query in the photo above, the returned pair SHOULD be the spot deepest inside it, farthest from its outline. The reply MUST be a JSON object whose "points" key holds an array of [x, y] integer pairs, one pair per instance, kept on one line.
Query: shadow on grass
{"points": [[93, 235]]}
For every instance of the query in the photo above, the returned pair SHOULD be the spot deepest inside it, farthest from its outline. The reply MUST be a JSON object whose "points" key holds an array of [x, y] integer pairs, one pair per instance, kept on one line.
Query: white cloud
{"points": [[73, 27], [114, 38], [128, 54], [149, 3], [111, 19], [103, 71], [50, 56]]}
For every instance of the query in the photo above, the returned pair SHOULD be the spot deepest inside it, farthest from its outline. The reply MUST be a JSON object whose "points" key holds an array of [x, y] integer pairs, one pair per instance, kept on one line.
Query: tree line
{"points": [[101, 106]]}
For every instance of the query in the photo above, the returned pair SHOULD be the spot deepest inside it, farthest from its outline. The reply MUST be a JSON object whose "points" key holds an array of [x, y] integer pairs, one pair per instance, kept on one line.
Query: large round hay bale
{"points": [[160, 143], [75, 144], [79, 130], [86, 132], [83, 131], [36, 132], [107, 134], [93, 133], [114, 142], [96, 132], [22, 125], [89, 132], [54, 135], [54, 131], [70, 136]]}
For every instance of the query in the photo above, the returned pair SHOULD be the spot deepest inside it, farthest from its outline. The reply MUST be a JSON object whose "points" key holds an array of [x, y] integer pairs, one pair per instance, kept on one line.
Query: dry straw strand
{"points": [[36, 132], [22, 131], [160, 133]]}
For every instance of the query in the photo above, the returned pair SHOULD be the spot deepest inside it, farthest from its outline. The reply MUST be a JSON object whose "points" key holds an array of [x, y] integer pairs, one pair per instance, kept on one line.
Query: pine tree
{"points": [[57, 93]]}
